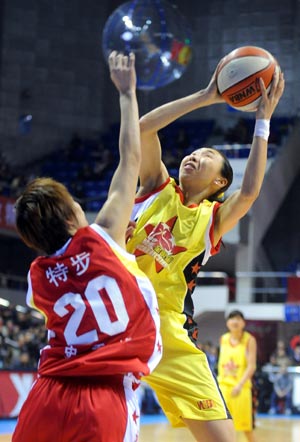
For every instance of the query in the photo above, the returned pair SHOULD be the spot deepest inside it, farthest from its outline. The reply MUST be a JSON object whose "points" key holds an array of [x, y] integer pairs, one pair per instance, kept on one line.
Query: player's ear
{"points": [[72, 226], [221, 182]]}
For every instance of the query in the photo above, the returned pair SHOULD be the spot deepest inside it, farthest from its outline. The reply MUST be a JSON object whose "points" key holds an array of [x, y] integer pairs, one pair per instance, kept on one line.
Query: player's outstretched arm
{"points": [[116, 211], [240, 202]]}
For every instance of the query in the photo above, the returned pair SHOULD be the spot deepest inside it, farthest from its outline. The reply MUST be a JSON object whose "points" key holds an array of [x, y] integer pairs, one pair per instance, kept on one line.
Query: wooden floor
{"points": [[275, 429], [268, 430]]}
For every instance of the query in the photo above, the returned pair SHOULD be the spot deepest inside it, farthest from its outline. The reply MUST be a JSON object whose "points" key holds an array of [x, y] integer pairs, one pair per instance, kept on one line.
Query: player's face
{"points": [[205, 163], [235, 324]]}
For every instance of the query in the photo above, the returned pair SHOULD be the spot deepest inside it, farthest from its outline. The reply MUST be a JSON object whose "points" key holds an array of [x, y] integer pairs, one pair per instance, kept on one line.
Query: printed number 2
{"points": [[103, 284]]}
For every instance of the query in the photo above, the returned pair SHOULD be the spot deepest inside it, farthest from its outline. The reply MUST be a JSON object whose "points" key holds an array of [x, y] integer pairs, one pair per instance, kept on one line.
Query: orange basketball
{"points": [[238, 76]]}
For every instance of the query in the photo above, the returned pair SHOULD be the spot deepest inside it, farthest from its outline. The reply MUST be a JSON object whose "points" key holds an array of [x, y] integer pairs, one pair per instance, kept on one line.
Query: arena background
{"points": [[52, 64], [52, 68], [54, 83]]}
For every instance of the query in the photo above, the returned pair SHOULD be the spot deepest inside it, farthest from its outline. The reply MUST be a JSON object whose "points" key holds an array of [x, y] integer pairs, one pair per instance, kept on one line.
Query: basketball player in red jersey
{"points": [[178, 227], [100, 309]]}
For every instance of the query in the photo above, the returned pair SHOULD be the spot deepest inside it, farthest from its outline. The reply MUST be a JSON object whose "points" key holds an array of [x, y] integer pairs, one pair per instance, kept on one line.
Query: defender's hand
{"points": [[122, 71]]}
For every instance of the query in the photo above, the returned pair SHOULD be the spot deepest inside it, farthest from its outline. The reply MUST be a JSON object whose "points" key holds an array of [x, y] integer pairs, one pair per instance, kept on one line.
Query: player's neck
{"points": [[194, 198], [236, 335], [191, 193]]}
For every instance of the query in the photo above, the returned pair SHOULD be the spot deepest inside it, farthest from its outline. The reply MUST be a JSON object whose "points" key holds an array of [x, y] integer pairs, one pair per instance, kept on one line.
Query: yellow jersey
{"points": [[233, 360], [171, 242]]}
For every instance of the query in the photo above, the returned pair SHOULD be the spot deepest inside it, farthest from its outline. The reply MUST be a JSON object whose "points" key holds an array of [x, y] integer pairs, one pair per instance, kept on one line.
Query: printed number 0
{"points": [[103, 284]]}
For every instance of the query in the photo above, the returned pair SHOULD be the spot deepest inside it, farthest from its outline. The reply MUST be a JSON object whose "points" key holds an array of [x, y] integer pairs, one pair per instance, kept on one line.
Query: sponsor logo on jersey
{"points": [[205, 404], [160, 244]]}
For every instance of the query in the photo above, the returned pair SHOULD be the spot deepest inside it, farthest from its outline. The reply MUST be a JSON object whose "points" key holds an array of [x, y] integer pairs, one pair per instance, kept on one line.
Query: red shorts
{"points": [[79, 410]]}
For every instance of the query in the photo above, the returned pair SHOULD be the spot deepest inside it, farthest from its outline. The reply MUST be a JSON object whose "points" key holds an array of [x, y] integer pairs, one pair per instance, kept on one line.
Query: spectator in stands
{"points": [[282, 390], [271, 364], [296, 354], [5, 352], [264, 387], [280, 355], [17, 184], [12, 330], [12, 179], [294, 341], [23, 319], [24, 362], [19, 333]]}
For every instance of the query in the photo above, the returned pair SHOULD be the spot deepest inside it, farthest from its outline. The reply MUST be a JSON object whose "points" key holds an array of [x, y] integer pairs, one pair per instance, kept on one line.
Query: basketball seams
{"points": [[227, 60], [222, 75], [249, 50], [258, 74]]}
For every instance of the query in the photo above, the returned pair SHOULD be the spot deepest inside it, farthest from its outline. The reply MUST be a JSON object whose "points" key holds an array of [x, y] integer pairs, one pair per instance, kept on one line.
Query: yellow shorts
{"points": [[240, 407], [183, 381]]}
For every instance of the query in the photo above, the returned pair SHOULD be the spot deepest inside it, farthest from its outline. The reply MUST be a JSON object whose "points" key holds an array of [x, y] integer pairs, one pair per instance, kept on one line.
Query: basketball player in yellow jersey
{"points": [[236, 366], [177, 228]]}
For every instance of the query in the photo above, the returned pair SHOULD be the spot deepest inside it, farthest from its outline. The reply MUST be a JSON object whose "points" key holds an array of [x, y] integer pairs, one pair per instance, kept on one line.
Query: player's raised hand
{"points": [[212, 88], [122, 71], [270, 100]]}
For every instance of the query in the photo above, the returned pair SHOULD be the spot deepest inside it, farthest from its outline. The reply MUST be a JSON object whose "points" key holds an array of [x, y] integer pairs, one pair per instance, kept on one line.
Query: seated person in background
{"points": [[295, 340], [282, 390], [280, 355], [296, 354]]}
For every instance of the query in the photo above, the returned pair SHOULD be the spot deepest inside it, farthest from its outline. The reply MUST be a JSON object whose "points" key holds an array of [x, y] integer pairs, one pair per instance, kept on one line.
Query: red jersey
{"points": [[100, 309]]}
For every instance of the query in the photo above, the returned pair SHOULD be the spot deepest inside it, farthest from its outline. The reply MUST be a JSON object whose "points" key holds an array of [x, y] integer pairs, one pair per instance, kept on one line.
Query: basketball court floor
{"points": [[156, 428]]}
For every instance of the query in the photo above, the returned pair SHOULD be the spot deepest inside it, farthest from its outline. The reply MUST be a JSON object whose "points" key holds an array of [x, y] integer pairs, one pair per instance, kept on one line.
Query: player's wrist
{"points": [[204, 97], [262, 128]]}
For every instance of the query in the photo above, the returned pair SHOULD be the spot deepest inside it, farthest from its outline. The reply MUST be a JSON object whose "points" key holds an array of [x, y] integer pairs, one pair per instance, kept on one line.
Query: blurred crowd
{"points": [[12, 181], [274, 380], [81, 161], [22, 335]]}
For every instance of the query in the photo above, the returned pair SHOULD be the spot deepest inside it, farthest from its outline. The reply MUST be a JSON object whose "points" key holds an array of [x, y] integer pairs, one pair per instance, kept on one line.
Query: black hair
{"points": [[226, 172], [235, 313]]}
